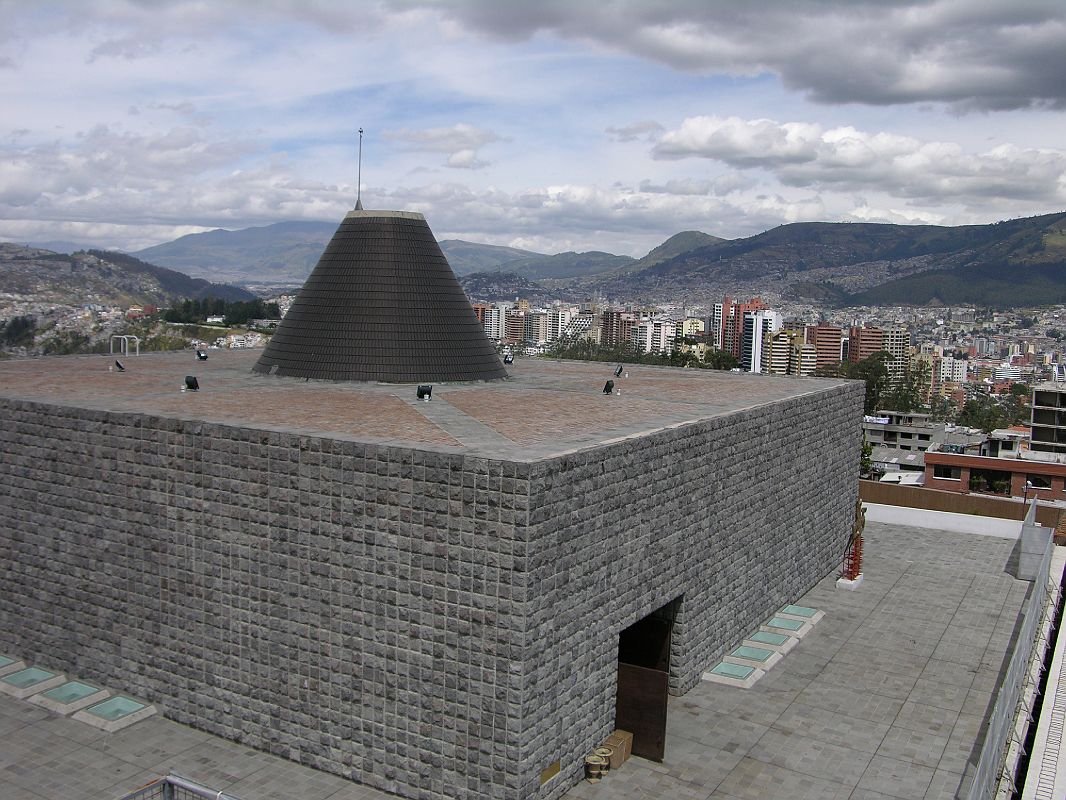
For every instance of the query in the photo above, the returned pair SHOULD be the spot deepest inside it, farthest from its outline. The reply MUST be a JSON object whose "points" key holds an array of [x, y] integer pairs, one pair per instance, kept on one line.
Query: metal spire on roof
{"points": [[359, 179]]}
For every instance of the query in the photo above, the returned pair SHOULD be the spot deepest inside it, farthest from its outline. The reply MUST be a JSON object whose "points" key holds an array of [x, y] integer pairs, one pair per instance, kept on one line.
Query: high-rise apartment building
{"points": [[757, 326], [693, 326], [804, 359], [714, 325], [654, 335], [864, 342], [616, 327], [537, 326], [733, 323], [1049, 418], [479, 311], [952, 370], [514, 326], [785, 353], [828, 343], [897, 343], [777, 352], [493, 322]]}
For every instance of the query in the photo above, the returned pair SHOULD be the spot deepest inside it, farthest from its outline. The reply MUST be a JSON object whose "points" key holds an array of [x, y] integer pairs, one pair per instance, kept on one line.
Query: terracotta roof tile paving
{"points": [[546, 407], [349, 413], [543, 416]]}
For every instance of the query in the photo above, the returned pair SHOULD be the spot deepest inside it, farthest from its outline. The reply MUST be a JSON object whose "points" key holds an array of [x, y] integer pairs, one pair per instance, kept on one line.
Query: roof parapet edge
{"points": [[359, 214]]}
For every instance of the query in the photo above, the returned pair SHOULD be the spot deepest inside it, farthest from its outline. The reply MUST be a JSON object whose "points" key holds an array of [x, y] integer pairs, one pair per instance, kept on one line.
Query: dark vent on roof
{"points": [[382, 304]]}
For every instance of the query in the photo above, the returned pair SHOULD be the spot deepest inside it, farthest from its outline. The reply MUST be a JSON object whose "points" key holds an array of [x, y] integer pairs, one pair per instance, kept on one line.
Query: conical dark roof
{"points": [[382, 304]]}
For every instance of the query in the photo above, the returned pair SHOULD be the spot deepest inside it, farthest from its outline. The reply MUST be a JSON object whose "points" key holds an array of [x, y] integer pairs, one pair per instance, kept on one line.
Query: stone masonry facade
{"points": [[736, 515], [432, 624]]}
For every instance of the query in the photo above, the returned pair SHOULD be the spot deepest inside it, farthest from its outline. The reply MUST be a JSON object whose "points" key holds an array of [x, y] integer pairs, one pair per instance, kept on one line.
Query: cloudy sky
{"points": [[550, 125]]}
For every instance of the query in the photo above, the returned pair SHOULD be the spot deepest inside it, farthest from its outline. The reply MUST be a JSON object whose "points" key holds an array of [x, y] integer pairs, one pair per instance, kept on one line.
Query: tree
{"points": [[18, 331], [1013, 410], [237, 312], [942, 410], [837, 370], [719, 359], [982, 412], [66, 342], [866, 459], [683, 358], [908, 393], [874, 371]]}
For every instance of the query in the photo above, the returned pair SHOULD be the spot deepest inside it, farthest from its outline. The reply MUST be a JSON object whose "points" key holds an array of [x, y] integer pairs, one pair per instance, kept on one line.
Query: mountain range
{"points": [[36, 276], [1008, 263]]}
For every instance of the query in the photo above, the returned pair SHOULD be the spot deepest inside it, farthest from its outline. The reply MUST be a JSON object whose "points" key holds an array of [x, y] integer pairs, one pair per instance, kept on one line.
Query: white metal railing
{"points": [[175, 787], [1010, 701]]}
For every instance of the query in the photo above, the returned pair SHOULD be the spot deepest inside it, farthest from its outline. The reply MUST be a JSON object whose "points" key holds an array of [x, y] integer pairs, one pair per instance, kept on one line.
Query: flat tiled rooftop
{"points": [[545, 408], [885, 698]]}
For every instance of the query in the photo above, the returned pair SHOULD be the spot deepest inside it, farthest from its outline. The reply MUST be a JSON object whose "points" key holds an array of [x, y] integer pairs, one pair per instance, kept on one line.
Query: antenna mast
{"points": [[359, 179]]}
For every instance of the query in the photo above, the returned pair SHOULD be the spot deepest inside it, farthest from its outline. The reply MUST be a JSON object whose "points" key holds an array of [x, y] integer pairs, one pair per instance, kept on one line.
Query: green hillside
{"points": [[97, 276], [1021, 262], [676, 245], [566, 265], [1006, 263], [467, 258], [283, 252]]}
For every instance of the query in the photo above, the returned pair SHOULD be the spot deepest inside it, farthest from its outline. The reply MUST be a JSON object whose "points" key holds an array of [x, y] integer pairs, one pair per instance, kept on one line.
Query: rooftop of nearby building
{"points": [[887, 696], [545, 408]]}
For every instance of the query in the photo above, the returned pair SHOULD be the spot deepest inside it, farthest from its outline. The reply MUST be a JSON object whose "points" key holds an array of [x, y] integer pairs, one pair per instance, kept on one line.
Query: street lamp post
{"points": [[1025, 493]]}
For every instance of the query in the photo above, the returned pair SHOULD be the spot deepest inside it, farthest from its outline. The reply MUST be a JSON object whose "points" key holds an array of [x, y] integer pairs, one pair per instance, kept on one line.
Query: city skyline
{"points": [[606, 126]]}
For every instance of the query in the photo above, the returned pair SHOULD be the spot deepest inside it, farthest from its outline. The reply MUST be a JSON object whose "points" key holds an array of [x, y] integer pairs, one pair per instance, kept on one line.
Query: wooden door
{"points": [[641, 708]]}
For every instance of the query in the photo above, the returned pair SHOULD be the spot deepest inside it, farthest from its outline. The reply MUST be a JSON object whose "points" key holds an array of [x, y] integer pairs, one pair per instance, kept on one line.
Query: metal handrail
{"points": [[164, 789], [991, 764]]}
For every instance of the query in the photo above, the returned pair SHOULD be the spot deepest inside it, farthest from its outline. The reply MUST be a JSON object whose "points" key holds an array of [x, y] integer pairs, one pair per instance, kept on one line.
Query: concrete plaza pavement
{"points": [[885, 698]]}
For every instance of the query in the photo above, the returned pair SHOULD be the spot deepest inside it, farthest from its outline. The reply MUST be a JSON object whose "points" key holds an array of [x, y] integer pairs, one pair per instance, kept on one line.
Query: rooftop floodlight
{"points": [[191, 383], [425, 392], [118, 366], [618, 372], [608, 388], [201, 355], [508, 359]]}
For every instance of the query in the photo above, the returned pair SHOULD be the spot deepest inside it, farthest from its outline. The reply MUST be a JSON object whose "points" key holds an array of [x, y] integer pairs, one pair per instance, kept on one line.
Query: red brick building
{"points": [[969, 472]]}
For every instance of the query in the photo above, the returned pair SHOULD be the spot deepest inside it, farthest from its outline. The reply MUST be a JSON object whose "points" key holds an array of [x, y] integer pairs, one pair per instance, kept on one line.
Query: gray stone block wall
{"points": [[346, 606], [737, 516], [439, 626]]}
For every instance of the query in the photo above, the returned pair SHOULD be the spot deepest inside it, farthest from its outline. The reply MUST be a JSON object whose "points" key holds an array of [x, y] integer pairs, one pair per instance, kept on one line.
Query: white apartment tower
{"points": [[714, 325], [757, 326], [494, 316], [897, 342], [654, 335]]}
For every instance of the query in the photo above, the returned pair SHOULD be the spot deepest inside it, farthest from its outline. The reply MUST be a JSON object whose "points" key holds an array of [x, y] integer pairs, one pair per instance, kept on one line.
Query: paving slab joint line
{"points": [[454, 422]]}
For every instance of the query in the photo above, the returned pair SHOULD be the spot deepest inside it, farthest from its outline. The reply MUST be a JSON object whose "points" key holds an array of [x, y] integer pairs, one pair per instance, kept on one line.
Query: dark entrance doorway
{"points": [[643, 680]]}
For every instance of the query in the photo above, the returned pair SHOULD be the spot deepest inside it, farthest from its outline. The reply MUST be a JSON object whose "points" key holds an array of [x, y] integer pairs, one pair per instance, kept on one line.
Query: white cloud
{"points": [[969, 53], [984, 54], [461, 142], [683, 186], [806, 155], [554, 122], [465, 159], [646, 129]]}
